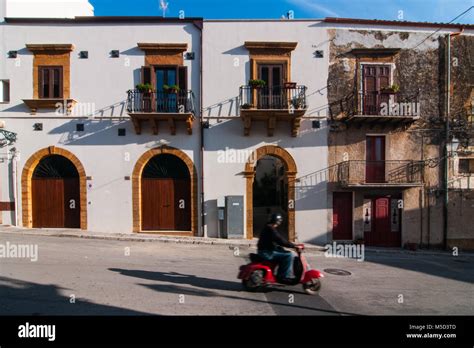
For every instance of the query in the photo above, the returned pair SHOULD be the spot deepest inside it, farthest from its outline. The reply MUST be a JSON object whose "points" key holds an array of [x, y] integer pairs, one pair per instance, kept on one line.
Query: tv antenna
{"points": [[163, 6]]}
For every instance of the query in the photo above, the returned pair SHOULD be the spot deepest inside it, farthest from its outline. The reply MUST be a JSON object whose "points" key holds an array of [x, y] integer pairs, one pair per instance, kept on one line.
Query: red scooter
{"points": [[260, 273]]}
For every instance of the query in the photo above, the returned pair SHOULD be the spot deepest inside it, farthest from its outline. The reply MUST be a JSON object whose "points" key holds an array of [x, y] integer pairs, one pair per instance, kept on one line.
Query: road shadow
{"points": [[20, 297], [207, 287], [180, 278]]}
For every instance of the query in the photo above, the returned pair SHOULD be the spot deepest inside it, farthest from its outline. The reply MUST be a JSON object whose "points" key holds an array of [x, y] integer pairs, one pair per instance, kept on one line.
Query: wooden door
{"points": [[56, 202], [271, 96], [382, 232], [375, 159], [166, 204], [375, 78], [342, 216], [157, 204], [182, 199]]}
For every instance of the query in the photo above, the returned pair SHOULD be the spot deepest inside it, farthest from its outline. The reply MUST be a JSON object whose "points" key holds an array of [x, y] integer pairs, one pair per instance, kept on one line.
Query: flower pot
{"points": [[388, 91]]}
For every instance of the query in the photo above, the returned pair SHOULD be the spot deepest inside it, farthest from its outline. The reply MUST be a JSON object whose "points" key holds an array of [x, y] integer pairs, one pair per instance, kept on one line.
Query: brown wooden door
{"points": [[342, 216], [56, 202], [271, 96], [375, 78], [182, 199], [375, 159], [166, 204]]}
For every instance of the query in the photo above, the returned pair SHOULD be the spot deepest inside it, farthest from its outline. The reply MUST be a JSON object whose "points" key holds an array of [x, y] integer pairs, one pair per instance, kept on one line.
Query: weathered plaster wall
{"points": [[416, 69]]}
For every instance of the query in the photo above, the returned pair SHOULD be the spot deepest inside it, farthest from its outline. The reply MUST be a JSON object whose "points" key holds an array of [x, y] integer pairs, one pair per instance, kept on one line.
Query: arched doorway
{"points": [[55, 193], [53, 186], [166, 194], [270, 193], [283, 184], [164, 189]]}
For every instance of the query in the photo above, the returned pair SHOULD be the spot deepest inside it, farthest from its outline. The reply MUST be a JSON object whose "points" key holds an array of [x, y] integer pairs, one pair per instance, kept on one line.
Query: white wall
{"points": [[226, 67], [102, 81], [48, 8]]}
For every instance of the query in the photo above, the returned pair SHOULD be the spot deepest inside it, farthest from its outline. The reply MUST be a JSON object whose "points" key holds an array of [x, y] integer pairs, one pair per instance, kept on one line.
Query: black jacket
{"points": [[270, 239]]}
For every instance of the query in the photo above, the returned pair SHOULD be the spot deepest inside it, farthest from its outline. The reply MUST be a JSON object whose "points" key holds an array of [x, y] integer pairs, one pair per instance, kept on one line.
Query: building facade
{"points": [[205, 127], [388, 106]]}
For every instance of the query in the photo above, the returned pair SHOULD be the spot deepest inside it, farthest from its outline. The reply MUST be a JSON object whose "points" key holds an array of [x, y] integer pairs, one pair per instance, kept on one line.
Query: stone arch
{"points": [[249, 173], [27, 174], [136, 187]]}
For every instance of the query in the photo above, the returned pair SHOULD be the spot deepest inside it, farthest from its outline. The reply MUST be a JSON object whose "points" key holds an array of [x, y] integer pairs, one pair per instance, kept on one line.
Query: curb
{"points": [[140, 238], [202, 241]]}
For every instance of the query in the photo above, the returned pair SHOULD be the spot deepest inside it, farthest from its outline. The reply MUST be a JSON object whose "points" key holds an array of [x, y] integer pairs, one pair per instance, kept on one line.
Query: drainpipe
{"points": [[14, 170], [446, 140], [200, 26]]}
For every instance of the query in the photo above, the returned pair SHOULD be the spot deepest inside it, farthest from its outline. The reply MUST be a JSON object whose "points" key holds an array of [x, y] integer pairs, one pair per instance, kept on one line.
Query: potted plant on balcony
{"points": [[144, 87], [257, 83], [297, 103], [247, 106], [171, 89], [393, 89], [289, 85]]}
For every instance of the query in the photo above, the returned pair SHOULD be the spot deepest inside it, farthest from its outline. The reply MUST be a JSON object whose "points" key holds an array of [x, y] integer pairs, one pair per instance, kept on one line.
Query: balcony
{"points": [[381, 174], [272, 104], [157, 106], [377, 107]]}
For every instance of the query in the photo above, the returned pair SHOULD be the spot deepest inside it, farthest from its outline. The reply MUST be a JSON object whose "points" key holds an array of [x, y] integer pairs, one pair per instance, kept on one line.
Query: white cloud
{"points": [[312, 6]]}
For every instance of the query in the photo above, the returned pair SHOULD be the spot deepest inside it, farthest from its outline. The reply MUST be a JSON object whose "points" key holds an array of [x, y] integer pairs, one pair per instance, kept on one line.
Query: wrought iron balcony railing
{"points": [[273, 98], [377, 103], [160, 102], [380, 173]]}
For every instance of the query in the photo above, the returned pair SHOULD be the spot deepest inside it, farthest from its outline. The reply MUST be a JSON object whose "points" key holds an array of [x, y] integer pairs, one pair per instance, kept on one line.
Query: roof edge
{"points": [[338, 20]]}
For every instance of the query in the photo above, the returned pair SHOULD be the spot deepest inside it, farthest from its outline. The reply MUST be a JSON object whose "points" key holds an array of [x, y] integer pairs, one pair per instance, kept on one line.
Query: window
{"points": [[375, 79], [50, 81], [165, 75], [4, 91], [466, 166]]}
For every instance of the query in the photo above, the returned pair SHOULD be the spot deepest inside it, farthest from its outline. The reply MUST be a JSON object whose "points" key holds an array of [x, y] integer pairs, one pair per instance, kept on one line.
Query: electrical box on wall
{"points": [[234, 217]]}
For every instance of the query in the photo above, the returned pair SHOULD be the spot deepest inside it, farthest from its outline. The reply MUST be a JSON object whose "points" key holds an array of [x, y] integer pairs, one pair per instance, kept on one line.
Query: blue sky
{"points": [[410, 10]]}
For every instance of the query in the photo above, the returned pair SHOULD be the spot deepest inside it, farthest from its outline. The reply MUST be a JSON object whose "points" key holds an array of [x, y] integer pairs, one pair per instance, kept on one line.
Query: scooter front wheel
{"points": [[312, 287]]}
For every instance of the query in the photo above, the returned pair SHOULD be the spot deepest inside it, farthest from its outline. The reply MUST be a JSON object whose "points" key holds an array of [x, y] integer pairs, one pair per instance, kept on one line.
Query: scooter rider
{"points": [[270, 248]]}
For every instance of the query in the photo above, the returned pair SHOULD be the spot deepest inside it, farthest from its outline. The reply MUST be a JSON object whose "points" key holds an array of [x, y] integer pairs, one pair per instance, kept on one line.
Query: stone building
{"points": [[387, 92]]}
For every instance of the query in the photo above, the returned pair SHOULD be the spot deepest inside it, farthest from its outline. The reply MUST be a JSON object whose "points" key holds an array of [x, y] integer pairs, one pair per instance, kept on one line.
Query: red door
{"points": [[375, 159], [383, 233], [342, 216]]}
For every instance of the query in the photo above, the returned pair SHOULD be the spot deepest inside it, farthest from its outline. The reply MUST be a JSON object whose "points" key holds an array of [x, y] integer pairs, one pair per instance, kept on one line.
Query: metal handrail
{"points": [[276, 97], [388, 172], [181, 101]]}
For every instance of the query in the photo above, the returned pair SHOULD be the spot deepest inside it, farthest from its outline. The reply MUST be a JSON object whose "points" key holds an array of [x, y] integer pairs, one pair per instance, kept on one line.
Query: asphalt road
{"points": [[74, 276]]}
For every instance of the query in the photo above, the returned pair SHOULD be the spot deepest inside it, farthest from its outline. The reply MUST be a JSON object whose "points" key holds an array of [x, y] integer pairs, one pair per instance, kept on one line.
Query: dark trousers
{"points": [[284, 259]]}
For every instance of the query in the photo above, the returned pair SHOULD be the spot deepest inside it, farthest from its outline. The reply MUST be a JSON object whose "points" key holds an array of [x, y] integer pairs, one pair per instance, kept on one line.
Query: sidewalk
{"points": [[145, 237]]}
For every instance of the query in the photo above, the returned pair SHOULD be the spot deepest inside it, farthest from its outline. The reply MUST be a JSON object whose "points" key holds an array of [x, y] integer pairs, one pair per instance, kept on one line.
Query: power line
{"points": [[433, 33]]}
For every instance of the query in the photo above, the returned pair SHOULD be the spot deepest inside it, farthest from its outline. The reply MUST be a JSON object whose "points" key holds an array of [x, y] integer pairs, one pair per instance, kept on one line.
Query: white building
{"points": [[47, 8], [89, 64]]}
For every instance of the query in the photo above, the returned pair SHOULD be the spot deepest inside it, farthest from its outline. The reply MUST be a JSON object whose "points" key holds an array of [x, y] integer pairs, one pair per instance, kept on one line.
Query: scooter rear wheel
{"points": [[254, 281], [312, 287]]}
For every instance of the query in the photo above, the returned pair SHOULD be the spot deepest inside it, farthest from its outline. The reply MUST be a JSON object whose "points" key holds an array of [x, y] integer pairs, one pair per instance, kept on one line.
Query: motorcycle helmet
{"points": [[276, 219]]}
